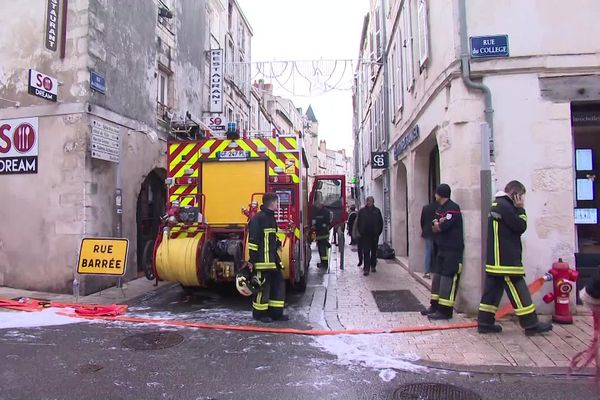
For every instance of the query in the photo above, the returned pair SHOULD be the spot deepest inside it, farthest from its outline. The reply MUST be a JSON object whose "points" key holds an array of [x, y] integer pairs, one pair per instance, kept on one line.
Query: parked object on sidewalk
{"points": [[564, 280], [504, 268], [385, 252], [370, 227], [447, 227]]}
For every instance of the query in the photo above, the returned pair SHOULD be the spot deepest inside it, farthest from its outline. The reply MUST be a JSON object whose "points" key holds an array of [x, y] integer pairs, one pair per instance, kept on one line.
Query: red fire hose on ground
{"points": [[114, 313]]}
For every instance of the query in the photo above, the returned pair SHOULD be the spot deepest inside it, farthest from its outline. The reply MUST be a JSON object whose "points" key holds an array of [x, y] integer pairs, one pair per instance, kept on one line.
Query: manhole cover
{"points": [[433, 391], [396, 301], [89, 368], [152, 340]]}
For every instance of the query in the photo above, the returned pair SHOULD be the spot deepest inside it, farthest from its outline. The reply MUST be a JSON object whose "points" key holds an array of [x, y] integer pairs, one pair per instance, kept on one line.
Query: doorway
{"points": [[585, 122], [151, 204]]}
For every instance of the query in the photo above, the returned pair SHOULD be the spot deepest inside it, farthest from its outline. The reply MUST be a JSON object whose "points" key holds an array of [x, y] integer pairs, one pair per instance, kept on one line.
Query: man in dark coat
{"points": [[370, 225]]}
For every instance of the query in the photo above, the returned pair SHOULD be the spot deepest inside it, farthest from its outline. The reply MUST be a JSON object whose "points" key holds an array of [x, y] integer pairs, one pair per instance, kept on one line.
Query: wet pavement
{"points": [[117, 360]]}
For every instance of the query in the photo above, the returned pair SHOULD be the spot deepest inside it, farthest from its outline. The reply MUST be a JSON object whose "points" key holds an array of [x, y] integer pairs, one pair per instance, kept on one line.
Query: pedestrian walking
{"points": [[350, 223], [504, 269], [370, 225], [268, 303], [447, 227], [427, 216], [321, 224]]}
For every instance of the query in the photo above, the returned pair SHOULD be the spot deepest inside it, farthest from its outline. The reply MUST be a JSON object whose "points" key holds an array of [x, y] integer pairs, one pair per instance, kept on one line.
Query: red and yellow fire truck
{"points": [[215, 184]]}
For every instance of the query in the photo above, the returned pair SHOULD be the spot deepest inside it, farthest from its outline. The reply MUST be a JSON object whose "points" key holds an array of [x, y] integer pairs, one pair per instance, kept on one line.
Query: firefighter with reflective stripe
{"points": [[321, 224], [448, 233], [263, 245], [504, 269]]}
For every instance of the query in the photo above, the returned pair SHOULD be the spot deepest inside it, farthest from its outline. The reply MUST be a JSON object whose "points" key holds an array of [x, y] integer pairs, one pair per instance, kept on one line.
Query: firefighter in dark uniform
{"points": [[448, 229], [504, 269], [267, 304], [321, 223]]}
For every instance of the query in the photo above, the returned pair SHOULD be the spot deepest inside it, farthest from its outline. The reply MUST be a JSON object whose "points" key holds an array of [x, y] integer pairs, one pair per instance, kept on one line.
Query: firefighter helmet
{"points": [[247, 283]]}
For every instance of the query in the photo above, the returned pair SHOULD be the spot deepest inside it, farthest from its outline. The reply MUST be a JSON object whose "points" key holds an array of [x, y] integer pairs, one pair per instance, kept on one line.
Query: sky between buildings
{"points": [[287, 30]]}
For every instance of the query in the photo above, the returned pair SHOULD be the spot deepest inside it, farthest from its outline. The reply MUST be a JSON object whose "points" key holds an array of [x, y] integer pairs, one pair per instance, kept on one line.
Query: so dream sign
{"points": [[19, 146]]}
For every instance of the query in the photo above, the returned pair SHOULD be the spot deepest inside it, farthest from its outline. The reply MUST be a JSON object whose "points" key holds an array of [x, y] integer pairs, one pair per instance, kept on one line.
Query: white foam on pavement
{"points": [[25, 319], [366, 350]]}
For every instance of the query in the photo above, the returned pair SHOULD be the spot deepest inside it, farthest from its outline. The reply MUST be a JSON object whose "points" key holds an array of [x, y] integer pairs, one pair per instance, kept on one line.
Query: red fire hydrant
{"points": [[564, 279]]}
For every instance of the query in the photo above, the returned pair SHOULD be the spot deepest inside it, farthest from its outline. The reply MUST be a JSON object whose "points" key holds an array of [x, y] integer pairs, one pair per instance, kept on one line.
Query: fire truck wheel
{"points": [[207, 258], [300, 286], [147, 259]]}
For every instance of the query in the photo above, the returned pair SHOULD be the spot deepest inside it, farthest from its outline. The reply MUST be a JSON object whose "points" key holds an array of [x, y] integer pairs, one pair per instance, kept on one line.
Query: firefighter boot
{"points": [[541, 327], [482, 328]]}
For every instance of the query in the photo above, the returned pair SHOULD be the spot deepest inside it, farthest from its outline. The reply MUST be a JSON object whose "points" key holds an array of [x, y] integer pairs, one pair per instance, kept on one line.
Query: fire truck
{"points": [[215, 182]]}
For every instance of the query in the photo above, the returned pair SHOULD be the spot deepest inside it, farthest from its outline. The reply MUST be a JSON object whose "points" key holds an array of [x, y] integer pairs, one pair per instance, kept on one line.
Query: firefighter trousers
{"points": [[323, 247], [518, 294], [444, 284], [271, 299]]}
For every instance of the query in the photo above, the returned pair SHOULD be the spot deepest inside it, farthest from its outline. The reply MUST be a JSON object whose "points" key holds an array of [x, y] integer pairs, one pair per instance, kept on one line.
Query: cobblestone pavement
{"points": [[355, 307]]}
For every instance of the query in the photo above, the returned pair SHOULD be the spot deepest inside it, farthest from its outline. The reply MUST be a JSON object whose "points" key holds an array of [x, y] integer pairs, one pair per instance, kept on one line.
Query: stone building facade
{"points": [[542, 121]]}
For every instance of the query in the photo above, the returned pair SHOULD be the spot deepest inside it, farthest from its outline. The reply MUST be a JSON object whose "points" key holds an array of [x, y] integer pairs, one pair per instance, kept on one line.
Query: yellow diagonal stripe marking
{"points": [[220, 147]]}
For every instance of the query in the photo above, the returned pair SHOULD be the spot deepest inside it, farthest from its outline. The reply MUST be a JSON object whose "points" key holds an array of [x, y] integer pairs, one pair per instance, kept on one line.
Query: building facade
{"points": [[538, 124]]}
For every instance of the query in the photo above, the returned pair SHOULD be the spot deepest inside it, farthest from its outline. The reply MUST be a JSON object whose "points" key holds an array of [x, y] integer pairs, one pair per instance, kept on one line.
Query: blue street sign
{"points": [[489, 46], [97, 82]]}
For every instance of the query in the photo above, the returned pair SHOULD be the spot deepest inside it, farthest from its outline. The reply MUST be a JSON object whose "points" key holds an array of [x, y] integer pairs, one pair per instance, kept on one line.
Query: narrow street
{"points": [[116, 360]]}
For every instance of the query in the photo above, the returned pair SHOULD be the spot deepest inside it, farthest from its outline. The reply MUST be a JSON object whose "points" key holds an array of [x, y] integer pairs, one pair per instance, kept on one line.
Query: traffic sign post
{"points": [[102, 256]]}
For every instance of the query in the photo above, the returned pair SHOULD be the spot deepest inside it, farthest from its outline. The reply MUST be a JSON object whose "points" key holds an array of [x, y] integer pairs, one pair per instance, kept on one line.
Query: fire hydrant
{"points": [[564, 279]]}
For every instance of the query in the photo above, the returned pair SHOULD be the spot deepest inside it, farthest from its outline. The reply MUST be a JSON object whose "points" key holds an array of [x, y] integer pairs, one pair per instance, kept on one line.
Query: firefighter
{"points": [[263, 245], [448, 229], [504, 269], [321, 223]]}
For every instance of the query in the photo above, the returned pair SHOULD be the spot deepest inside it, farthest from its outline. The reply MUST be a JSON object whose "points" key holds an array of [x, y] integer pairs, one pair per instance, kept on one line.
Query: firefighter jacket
{"points": [[450, 237], [321, 221], [506, 224], [262, 240]]}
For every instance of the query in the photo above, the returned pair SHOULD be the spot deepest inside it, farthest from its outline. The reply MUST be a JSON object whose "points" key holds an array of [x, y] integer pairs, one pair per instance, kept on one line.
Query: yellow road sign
{"points": [[101, 256]]}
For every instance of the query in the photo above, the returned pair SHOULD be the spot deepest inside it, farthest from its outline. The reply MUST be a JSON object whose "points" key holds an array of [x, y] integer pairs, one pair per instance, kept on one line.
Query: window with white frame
{"points": [[393, 62], [422, 20], [162, 95], [229, 59], [378, 40], [407, 48], [214, 24]]}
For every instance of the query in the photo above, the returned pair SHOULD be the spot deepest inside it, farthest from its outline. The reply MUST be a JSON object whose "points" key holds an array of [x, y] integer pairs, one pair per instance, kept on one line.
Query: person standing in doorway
{"points": [[370, 225], [448, 230], [321, 224], [504, 269], [350, 222], [428, 215]]}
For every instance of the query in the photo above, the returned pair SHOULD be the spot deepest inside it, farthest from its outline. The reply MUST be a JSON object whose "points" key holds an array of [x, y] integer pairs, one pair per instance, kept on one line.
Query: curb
{"points": [[506, 369]]}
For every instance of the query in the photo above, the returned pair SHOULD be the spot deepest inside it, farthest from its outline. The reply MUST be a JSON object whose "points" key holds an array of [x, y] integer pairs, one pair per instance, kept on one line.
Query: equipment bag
{"points": [[386, 252]]}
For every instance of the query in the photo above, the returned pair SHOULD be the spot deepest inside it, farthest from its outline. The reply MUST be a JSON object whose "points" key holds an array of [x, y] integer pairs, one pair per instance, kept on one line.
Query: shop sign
{"points": [[19, 146], [42, 85], [215, 124], [489, 46], [51, 29], [585, 117], [216, 81], [406, 141], [379, 160], [586, 216]]}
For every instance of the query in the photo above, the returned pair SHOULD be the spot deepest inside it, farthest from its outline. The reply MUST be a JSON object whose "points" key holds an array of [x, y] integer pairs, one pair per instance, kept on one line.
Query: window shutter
{"points": [[423, 33]]}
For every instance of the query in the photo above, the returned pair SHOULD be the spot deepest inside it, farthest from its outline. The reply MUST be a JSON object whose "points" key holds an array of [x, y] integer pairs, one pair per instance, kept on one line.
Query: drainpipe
{"points": [[487, 132], [387, 203]]}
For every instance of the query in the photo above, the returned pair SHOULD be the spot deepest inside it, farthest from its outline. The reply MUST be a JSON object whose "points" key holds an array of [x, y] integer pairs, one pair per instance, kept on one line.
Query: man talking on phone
{"points": [[504, 268]]}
